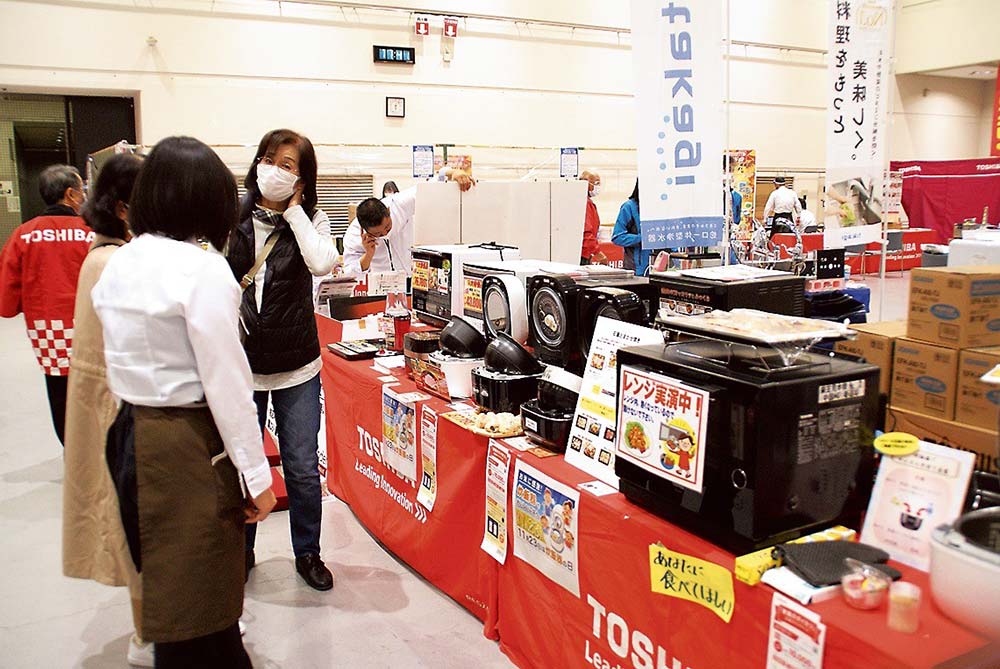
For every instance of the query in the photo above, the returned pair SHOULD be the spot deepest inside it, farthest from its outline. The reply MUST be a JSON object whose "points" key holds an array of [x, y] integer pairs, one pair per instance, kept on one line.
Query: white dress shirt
{"points": [[169, 312], [782, 201], [392, 252], [320, 255]]}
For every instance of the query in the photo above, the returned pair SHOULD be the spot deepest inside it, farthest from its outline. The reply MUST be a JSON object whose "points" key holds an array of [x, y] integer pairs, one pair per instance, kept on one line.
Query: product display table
{"points": [[616, 617], [908, 258]]}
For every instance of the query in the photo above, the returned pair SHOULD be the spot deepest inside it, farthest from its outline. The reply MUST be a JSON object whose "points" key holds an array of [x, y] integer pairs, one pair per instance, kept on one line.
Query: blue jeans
{"points": [[296, 412]]}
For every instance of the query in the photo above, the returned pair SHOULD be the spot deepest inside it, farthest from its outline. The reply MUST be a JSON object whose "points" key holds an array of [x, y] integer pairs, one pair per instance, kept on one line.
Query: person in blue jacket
{"points": [[626, 235]]}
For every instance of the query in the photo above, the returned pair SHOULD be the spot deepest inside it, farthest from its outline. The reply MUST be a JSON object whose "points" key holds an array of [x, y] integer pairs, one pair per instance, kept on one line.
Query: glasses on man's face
{"points": [[286, 164]]}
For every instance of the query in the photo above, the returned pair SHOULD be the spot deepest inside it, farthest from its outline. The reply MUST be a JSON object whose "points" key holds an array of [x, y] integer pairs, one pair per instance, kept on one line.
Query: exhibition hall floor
{"points": [[379, 613]]}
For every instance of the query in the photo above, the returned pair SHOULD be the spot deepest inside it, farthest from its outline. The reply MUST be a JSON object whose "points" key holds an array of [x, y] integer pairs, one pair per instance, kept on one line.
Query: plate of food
{"points": [[757, 326], [635, 440], [488, 424]]}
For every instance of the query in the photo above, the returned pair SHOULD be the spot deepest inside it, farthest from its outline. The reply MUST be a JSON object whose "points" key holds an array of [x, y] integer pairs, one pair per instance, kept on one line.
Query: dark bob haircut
{"points": [[114, 185], [185, 192], [55, 179], [371, 213], [308, 169]]}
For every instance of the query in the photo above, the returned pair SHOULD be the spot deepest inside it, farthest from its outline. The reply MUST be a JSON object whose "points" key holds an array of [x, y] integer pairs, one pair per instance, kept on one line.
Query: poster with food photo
{"points": [[545, 525], [662, 423], [399, 431]]}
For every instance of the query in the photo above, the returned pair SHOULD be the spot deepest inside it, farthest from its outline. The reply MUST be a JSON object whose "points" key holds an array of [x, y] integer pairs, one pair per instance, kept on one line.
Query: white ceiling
{"points": [[984, 71]]}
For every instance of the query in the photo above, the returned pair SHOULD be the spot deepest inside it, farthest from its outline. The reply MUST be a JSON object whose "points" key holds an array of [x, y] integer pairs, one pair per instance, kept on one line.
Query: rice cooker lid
{"points": [[560, 377], [492, 375], [503, 295], [975, 534], [421, 342], [548, 312]]}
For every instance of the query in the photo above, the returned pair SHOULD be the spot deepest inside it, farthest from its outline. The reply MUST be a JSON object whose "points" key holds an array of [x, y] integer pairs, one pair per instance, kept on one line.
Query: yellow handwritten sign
{"points": [[685, 577], [897, 444]]}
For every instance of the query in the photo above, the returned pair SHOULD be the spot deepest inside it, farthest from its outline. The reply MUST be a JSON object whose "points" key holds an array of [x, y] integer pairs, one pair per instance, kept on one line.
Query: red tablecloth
{"points": [[909, 258], [542, 625]]}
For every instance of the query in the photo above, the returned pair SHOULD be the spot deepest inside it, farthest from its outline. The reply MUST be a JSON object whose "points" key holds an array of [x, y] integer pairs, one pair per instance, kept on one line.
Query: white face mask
{"points": [[595, 190], [275, 184]]}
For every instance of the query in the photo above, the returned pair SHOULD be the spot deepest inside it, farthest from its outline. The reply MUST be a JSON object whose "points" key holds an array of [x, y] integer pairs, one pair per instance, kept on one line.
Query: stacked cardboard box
{"points": [[952, 340], [875, 342]]}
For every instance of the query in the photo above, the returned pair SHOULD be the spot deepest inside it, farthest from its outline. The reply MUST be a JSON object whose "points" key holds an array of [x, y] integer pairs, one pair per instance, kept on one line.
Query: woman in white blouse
{"points": [[287, 238], [187, 432]]}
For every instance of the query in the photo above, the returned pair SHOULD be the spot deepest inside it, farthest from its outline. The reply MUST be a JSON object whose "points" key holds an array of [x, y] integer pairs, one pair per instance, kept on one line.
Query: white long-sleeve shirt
{"points": [[320, 255], [169, 312], [782, 201], [392, 252]]}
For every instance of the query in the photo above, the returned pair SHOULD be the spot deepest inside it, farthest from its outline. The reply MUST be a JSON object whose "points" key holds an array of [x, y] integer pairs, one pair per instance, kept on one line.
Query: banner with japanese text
{"points": [[858, 86], [678, 60], [995, 128]]}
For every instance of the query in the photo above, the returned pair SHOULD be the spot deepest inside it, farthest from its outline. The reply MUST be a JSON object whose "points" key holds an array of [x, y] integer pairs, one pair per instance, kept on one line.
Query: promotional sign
{"points": [[914, 494], [995, 128], [545, 526], [857, 100], [677, 57], [797, 637], [423, 161], [743, 168], [427, 493], [457, 161], [592, 437], [692, 579], [893, 196], [495, 529], [662, 424], [399, 431], [569, 162]]}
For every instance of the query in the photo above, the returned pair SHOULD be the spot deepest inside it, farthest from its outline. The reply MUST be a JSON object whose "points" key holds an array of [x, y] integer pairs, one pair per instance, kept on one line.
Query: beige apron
{"points": [[191, 525]]}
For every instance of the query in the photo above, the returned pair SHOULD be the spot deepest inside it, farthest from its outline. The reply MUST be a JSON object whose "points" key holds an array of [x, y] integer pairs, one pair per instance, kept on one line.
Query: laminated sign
{"points": [[677, 57], [545, 526]]}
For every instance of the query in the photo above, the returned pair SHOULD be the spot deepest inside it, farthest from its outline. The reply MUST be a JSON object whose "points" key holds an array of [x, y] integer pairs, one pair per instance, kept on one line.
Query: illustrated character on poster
{"points": [[567, 513], [548, 503], [678, 445], [913, 511], [545, 525], [570, 540]]}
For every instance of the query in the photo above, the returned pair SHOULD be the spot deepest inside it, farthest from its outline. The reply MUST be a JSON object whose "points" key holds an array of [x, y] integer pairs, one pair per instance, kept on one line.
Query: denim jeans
{"points": [[296, 412]]}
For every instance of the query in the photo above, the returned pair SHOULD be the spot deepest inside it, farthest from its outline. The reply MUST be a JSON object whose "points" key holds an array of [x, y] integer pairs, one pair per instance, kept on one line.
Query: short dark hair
{"points": [[184, 191], [780, 181], [308, 169], [55, 179], [389, 187], [114, 185], [371, 213]]}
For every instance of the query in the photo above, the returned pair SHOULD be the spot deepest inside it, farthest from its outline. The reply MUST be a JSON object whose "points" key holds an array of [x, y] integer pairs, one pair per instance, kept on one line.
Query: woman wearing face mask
{"points": [[283, 233], [93, 539], [590, 253]]}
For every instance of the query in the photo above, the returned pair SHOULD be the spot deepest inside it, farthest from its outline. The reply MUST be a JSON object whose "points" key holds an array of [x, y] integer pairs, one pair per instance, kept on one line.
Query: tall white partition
{"points": [[515, 213], [438, 217], [569, 209]]}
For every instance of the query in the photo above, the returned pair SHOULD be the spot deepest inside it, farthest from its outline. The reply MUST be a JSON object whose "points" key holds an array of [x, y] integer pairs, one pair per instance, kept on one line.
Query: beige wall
{"points": [[940, 34], [515, 91]]}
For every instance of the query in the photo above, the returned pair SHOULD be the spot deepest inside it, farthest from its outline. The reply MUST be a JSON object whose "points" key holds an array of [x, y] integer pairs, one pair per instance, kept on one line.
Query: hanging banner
{"points": [[995, 128], [427, 493], [743, 168], [678, 60], [495, 529], [859, 80], [592, 437], [545, 521]]}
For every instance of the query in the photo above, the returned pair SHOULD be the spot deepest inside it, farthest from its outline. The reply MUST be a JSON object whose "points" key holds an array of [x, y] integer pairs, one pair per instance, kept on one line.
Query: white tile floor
{"points": [[379, 614]]}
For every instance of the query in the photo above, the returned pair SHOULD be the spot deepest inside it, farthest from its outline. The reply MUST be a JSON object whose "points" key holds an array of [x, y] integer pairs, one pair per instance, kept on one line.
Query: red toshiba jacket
{"points": [[39, 268]]}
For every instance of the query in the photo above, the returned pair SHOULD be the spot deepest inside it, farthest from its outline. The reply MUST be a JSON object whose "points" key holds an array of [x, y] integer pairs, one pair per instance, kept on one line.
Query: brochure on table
{"points": [[592, 437], [495, 526], [797, 638], [913, 495]]}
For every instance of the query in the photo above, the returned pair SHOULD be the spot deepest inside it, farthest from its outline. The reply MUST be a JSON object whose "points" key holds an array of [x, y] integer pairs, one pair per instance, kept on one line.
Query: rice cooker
{"points": [[547, 420], [607, 302], [965, 570], [448, 371], [508, 379], [438, 280]]}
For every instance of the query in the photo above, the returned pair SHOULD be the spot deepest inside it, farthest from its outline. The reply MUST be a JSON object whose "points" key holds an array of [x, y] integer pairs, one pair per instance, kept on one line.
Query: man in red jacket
{"points": [[590, 253], [39, 268]]}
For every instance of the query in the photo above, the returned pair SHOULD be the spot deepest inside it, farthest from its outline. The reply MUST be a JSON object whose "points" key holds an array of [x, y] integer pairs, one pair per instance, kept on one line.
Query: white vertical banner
{"points": [[858, 86], [678, 56]]}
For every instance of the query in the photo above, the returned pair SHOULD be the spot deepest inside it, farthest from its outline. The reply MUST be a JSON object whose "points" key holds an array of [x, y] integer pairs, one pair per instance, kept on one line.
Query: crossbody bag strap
{"points": [[264, 253]]}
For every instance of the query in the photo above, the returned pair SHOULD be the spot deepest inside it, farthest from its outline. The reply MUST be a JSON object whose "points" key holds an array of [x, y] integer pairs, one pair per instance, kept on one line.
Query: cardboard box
{"points": [[924, 378], [875, 343], [978, 403], [955, 306], [983, 443]]}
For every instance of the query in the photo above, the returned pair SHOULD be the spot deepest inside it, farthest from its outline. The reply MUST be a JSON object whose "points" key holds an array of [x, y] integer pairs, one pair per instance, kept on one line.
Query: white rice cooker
{"points": [[965, 570]]}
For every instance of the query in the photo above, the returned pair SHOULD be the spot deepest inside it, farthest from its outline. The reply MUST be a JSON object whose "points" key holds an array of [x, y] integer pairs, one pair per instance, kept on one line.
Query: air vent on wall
{"points": [[334, 193]]}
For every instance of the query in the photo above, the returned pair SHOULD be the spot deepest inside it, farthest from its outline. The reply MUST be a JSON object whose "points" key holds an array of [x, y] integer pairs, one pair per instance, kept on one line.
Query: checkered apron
{"points": [[52, 342]]}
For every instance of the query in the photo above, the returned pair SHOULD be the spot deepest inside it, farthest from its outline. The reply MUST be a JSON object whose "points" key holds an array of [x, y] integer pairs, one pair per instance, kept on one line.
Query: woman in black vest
{"points": [[280, 330]]}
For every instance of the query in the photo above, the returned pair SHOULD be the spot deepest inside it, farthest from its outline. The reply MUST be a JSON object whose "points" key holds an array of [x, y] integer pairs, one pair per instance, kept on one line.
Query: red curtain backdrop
{"points": [[940, 193], [995, 128]]}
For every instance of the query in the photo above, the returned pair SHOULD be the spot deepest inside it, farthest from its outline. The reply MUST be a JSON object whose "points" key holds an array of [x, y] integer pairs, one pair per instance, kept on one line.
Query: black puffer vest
{"points": [[281, 334]]}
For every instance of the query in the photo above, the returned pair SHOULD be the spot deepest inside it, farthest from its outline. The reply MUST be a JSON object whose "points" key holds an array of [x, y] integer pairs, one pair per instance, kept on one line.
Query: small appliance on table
{"points": [[698, 291], [508, 379], [438, 279], [447, 372], [548, 419], [743, 435]]}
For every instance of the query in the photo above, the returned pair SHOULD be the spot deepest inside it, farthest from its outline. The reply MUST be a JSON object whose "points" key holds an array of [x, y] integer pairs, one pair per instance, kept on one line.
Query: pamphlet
{"points": [[913, 495], [797, 637], [399, 431], [592, 437], [545, 525], [662, 424], [427, 494], [495, 530]]}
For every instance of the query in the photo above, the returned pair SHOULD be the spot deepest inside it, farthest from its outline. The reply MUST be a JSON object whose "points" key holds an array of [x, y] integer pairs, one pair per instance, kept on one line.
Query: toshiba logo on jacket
{"points": [[71, 235]]}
